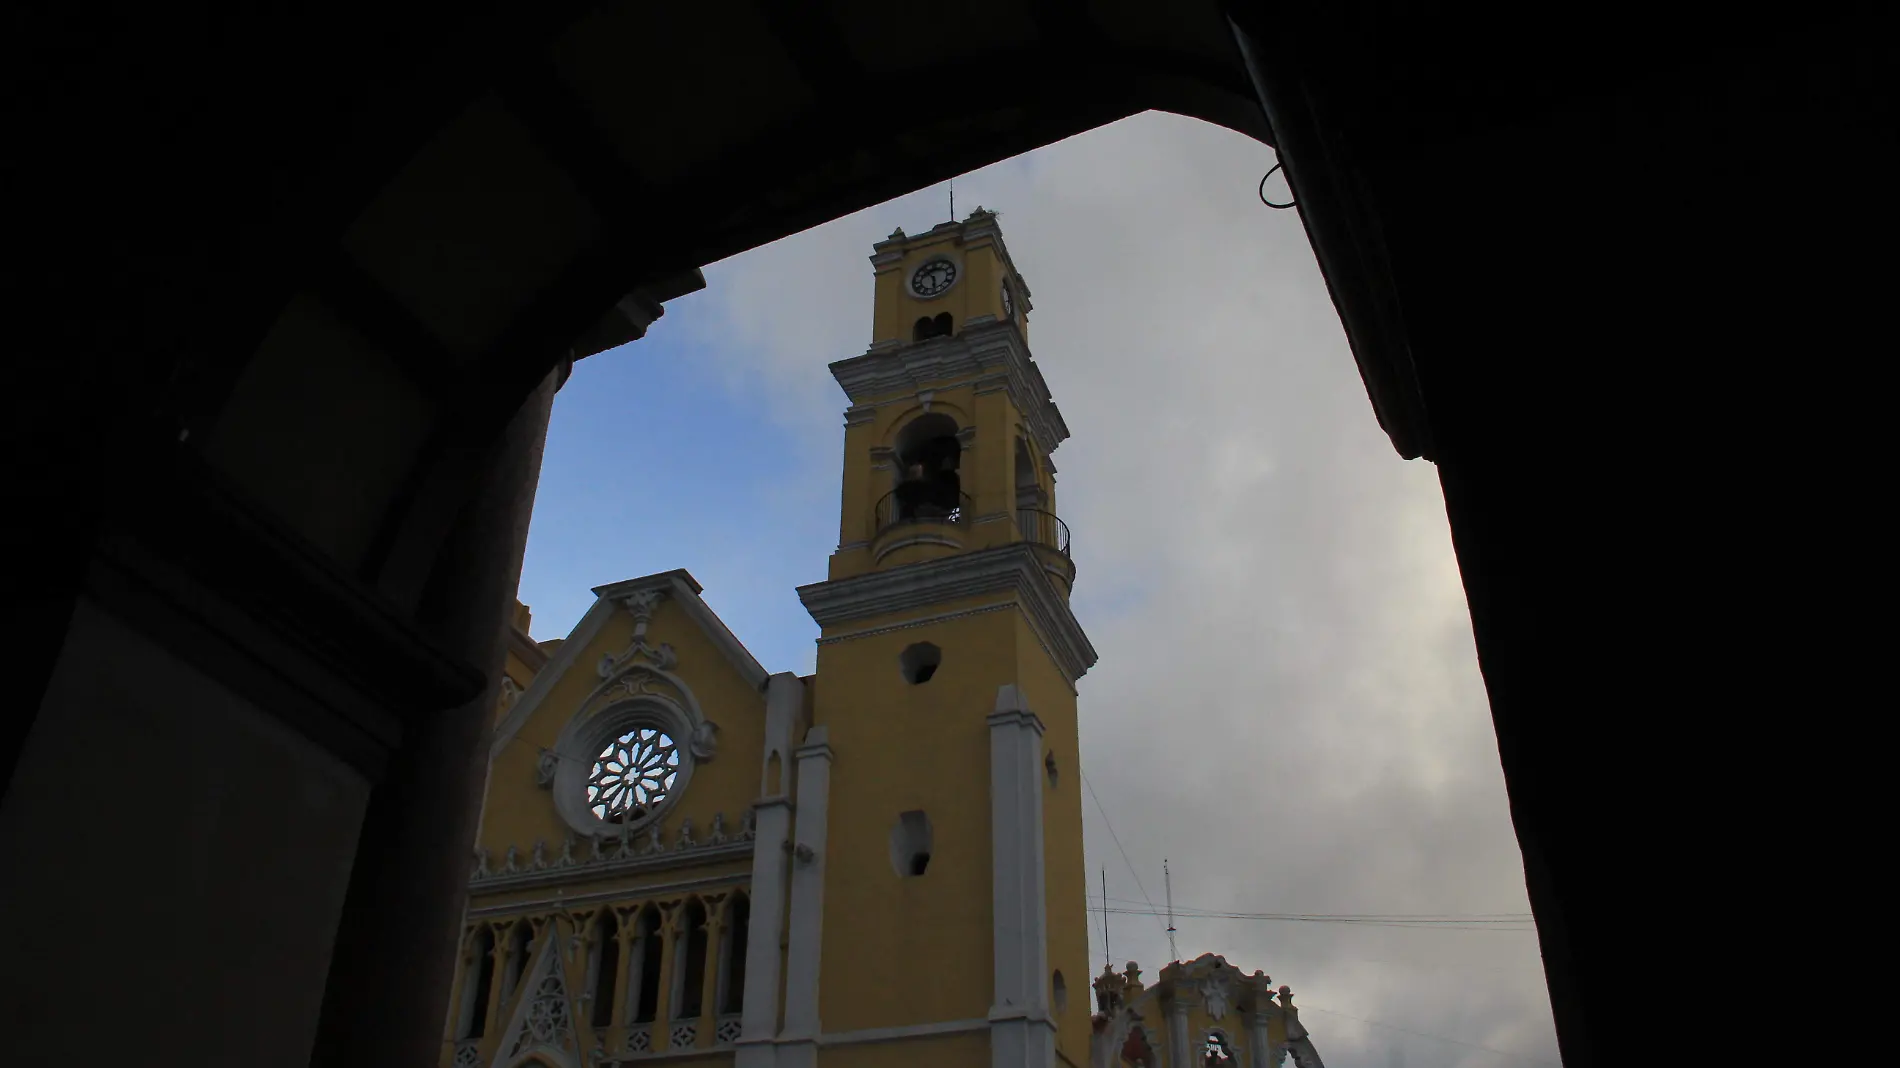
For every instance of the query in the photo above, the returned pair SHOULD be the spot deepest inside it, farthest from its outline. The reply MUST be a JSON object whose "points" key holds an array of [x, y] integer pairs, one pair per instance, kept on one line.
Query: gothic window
{"points": [[690, 989], [1217, 1052], [732, 959], [476, 985], [646, 951], [519, 939], [605, 966]]}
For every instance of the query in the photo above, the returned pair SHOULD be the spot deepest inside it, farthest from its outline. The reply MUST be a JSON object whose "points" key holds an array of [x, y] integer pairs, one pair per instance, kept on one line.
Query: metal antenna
{"points": [[1108, 961], [1167, 882], [953, 200]]}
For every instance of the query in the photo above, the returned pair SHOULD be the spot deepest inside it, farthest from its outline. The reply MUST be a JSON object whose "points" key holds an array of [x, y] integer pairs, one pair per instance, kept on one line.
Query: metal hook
{"points": [[1263, 191]]}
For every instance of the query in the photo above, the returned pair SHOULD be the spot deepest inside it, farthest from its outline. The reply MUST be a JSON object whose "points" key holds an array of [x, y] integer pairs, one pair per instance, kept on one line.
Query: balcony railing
{"points": [[1043, 528], [893, 510], [1036, 526]]}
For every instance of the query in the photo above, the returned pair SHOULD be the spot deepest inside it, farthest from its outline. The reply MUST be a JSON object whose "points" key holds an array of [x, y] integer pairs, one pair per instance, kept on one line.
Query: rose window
{"points": [[633, 775]]}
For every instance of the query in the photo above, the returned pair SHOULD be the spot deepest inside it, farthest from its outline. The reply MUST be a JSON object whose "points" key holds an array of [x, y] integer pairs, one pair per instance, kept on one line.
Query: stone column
{"points": [[588, 943], [627, 935], [499, 951], [1180, 1043], [709, 974], [805, 940], [1260, 1034], [389, 973], [1021, 1033], [666, 1006]]}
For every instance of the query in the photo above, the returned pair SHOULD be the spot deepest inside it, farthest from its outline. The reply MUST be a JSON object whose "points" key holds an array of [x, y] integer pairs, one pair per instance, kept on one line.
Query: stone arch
{"points": [[734, 938], [646, 981], [690, 960], [471, 1017]]}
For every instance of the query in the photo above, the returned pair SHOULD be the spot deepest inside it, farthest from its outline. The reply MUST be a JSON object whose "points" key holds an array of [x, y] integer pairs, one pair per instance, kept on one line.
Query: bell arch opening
{"points": [[928, 454]]}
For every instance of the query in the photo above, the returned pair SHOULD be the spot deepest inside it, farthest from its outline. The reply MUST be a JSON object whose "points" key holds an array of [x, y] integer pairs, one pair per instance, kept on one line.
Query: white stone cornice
{"points": [[588, 869], [984, 350], [1011, 569]]}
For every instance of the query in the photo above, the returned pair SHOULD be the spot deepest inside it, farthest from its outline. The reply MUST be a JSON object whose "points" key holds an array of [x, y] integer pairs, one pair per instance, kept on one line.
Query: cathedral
{"points": [[687, 858]]}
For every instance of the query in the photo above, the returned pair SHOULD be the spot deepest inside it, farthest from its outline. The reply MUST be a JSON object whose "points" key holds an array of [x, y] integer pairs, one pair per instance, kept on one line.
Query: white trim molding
{"points": [[1020, 1033], [993, 350], [1013, 569], [524, 707]]}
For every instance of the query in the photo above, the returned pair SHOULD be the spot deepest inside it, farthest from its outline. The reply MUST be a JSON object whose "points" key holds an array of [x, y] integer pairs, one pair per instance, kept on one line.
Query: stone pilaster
{"points": [[1021, 1033]]}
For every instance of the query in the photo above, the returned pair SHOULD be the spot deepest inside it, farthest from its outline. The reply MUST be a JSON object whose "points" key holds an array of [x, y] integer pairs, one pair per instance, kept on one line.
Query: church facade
{"points": [[685, 857]]}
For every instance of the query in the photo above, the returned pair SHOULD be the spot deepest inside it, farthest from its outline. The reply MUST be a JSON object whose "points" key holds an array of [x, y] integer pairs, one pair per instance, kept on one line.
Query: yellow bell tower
{"points": [[937, 906]]}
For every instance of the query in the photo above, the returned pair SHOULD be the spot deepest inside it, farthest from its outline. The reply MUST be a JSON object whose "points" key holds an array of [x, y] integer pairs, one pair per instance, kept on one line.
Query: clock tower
{"points": [[937, 889]]}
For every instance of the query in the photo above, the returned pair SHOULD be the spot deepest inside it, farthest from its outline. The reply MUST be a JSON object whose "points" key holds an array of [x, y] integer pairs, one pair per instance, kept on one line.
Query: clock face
{"points": [[1009, 303], [933, 278]]}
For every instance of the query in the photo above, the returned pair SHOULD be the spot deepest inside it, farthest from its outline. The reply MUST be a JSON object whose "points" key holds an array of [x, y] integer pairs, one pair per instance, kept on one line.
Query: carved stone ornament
{"points": [[1108, 990], [748, 825], [641, 604], [547, 1022], [545, 766], [1216, 994], [626, 845], [705, 740], [804, 854], [510, 692]]}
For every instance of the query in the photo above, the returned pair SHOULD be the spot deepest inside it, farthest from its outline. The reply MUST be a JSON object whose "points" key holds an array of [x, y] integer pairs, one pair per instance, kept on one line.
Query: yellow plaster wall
{"points": [[904, 950]]}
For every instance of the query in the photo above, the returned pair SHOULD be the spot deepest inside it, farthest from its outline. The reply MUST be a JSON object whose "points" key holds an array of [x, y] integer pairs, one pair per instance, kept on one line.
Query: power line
{"points": [[1415, 925], [1110, 824], [1511, 916], [1435, 1038], [1506, 921]]}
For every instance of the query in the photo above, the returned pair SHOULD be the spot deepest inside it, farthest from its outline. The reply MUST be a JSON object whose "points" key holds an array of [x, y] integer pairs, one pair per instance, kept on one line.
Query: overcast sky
{"points": [[1287, 707]]}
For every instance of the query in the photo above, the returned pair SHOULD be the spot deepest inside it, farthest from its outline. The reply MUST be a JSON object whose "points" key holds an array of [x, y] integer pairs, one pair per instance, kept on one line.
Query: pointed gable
{"points": [[543, 1018], [652, 677]]}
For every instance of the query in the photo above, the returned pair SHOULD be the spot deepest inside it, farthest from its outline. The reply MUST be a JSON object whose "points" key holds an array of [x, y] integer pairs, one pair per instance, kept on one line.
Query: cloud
{"points": [[1288, 705]]}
